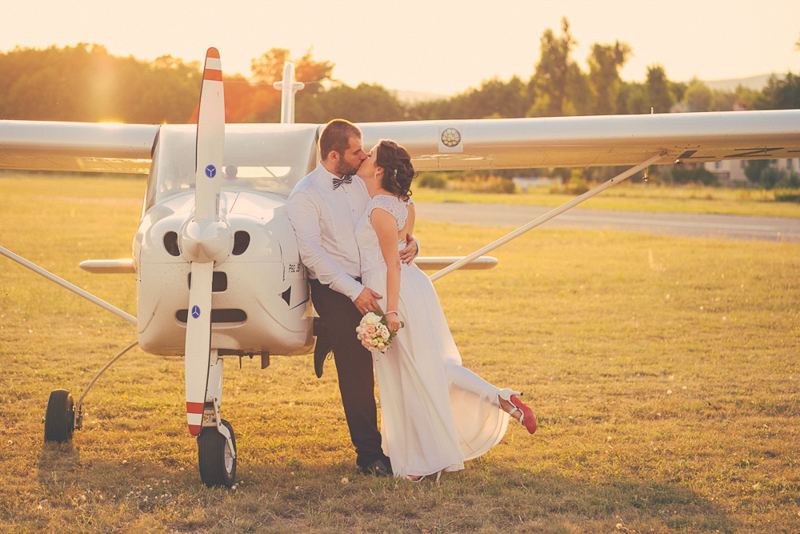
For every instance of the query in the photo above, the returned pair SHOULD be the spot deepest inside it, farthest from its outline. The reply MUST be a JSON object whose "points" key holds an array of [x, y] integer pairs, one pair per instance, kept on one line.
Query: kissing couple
{"points": [[354, 221]]}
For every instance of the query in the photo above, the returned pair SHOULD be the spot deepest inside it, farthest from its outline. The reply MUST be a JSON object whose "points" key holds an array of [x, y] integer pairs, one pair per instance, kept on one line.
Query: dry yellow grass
{"points": [[664, 372]]}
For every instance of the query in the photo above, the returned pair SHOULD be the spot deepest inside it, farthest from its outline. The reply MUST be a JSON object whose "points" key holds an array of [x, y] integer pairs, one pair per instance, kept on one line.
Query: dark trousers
{"points": [[340, 317]]}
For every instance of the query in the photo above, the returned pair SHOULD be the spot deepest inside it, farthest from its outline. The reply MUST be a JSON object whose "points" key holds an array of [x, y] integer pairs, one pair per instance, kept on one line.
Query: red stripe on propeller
{"points": [[212, 75], [194, 407]]}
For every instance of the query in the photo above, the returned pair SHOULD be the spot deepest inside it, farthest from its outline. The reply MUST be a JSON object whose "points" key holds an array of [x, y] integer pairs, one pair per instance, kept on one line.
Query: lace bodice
{"points": [[367, 239], [393, 205]]}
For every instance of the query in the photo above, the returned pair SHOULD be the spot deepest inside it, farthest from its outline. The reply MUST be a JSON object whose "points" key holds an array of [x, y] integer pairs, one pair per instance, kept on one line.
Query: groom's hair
{"points": [[336, 137]]}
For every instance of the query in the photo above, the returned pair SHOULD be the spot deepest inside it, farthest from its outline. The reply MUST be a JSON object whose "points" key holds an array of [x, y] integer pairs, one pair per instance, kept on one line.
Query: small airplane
{"points": [[217, 267]]}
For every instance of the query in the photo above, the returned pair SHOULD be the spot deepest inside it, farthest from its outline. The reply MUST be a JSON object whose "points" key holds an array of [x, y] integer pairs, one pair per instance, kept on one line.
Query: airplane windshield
{"points": [[258, 157]]}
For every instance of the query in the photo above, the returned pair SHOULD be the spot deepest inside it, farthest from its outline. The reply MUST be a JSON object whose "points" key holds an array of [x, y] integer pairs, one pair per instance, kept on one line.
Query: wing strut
{"points": [[72, 287], [546, 217]]}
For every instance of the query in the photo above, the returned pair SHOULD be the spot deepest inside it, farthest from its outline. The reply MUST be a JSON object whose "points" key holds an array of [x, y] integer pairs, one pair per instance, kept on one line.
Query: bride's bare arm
{"points": [[411, 251], [386, 227]]}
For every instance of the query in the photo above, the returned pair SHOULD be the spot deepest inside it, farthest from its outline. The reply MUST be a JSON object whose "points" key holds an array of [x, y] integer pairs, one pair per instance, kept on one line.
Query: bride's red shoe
{"points": [[527, 417]]}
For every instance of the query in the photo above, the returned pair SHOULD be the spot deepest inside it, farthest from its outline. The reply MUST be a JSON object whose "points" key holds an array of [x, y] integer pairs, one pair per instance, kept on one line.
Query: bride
{"points": [[435, 414]]}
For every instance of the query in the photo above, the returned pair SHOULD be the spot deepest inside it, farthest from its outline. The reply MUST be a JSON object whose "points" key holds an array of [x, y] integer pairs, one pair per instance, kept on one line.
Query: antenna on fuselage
{"points": [[288, 88]]}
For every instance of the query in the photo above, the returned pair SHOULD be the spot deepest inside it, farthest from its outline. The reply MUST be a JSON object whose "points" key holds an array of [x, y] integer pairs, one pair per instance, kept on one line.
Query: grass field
{"points": [[664, 373]]}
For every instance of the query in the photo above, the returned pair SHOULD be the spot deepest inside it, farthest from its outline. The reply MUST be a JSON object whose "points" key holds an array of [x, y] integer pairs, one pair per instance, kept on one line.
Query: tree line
{"points": [[86, 83]]}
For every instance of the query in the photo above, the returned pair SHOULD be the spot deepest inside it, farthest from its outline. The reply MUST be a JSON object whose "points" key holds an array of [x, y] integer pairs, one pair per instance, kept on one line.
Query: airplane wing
{"points": [[426, 263], [436, 263], [447, 145], [76, 146], [593, 140]]}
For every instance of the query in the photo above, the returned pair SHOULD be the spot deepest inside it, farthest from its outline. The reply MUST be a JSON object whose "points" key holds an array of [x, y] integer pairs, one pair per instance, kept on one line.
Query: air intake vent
{"points": [[171, 243], [241, 240], [218, 284], [225, 315]]}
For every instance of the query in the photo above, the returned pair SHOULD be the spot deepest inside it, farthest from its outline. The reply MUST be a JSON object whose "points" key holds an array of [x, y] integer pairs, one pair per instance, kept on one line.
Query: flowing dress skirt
{"points": [[435, 414]]}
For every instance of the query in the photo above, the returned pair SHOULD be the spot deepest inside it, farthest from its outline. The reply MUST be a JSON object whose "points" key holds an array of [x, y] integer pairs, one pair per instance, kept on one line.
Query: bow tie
{"points": [[339, 181]]}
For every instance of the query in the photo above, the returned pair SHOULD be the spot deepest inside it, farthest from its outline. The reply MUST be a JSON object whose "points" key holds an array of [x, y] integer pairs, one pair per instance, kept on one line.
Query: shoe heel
{"points": [[506, 394], [527, 417]]}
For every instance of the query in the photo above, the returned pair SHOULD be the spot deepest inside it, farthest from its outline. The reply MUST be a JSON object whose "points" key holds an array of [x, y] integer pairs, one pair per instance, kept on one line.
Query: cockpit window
{"points": [[256, 172], [258, 157]]}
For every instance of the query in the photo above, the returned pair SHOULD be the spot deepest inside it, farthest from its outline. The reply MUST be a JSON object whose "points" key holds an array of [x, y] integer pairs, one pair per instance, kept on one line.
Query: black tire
{"points": [[217, 466], [59, 421]]}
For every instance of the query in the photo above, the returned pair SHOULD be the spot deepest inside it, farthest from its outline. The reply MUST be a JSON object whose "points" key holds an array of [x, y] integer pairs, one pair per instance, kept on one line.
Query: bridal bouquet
{"points": [[374, 333]]}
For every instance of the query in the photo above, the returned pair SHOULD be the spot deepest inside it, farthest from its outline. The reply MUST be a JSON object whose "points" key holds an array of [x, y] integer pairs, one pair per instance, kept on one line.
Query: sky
{"points": [[434, 46]]}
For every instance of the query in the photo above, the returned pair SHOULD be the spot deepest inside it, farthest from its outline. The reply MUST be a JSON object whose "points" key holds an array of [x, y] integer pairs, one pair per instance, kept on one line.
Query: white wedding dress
{"points": [[435, 414]]}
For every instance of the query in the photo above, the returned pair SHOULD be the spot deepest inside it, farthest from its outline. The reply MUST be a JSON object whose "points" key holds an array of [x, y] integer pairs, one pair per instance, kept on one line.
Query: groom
{"points": [[324, 208]]}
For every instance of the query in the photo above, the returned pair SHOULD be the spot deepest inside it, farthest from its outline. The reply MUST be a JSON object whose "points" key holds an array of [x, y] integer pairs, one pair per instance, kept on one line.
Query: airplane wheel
{"points": [[59, 421], [217, 464]]}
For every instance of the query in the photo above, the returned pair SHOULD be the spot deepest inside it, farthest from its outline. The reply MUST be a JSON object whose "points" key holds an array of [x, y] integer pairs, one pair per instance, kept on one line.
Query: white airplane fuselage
{"points": [[260, 295]]}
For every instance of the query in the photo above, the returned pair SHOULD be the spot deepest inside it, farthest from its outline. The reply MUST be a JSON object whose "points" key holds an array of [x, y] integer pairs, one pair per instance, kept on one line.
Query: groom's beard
{"points": [[346, 169]]}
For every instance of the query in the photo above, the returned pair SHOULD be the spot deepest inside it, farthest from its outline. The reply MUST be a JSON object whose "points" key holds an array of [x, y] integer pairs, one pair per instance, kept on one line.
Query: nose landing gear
{"points": [[216, 458]]}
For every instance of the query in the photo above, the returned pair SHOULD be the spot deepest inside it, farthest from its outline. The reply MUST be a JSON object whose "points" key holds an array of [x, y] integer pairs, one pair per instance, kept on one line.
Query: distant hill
{"points": [[757, 83]]}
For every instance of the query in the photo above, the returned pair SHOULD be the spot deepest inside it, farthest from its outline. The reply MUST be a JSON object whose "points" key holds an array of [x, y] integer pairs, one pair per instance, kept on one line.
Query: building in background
{"points": [[731, 172]]}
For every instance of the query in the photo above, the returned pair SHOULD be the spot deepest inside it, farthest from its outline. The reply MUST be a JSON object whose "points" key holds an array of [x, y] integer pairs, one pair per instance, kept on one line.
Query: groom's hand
{"points": [[367, 301], [408, 254]]}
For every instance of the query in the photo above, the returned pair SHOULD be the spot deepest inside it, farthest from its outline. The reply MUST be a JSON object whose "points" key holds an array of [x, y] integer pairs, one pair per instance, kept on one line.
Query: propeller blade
{"points": [[210, 140], [206, 232], [198, 343]]}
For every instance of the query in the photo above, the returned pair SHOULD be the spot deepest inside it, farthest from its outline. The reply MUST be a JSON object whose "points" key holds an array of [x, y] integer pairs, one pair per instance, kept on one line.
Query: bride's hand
{"points": [[392, 322]]}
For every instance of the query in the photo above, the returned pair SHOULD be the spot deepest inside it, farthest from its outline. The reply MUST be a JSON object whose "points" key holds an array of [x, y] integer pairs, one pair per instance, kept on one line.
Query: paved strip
{"points": [[740, 227]]}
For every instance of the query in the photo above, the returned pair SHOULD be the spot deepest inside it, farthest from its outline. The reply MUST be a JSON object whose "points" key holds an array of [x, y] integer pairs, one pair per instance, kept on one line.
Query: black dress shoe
{"points": [[377, 468], [322, 348], [321, 352]]}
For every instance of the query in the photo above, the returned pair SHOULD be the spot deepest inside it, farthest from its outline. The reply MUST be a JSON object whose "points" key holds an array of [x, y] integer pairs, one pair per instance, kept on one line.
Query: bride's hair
{"points": [[397, 169]]}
